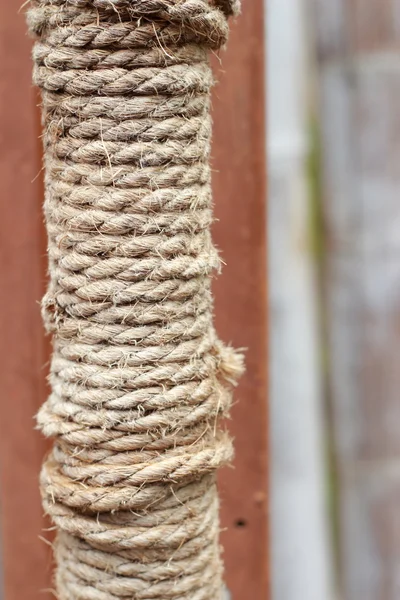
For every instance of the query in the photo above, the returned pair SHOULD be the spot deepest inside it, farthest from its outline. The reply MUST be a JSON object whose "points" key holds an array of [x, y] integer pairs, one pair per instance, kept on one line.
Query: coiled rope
{"points": [[138, 376]]}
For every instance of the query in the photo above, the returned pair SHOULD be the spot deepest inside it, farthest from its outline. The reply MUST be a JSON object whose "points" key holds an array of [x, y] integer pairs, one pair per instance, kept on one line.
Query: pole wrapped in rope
{"points": [[138, 376]]}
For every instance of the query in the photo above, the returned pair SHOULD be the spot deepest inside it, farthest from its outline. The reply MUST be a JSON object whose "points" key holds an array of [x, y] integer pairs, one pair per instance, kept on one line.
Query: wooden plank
{"points": [[360, 95], [23, 351], [241, 298]]}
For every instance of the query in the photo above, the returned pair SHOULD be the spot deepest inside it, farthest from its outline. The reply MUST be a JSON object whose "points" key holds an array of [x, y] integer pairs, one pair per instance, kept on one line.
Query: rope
{"points": [[138, 377]]}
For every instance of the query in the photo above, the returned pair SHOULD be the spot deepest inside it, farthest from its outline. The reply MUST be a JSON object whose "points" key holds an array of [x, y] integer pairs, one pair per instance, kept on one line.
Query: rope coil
{"points": [[139, 378]]}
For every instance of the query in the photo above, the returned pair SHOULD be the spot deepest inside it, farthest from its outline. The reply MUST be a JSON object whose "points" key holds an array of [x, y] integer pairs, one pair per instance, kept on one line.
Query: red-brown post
{"points": [[241, 295], [23, 349]]}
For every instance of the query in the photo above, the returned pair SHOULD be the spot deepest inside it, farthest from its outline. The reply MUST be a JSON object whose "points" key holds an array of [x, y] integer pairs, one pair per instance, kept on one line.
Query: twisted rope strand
{"points": [[139, 378]]}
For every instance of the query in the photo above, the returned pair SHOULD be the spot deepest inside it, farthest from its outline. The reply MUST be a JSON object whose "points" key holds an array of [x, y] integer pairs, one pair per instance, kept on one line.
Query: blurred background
{"points": [[333, 90], [331, 70]]}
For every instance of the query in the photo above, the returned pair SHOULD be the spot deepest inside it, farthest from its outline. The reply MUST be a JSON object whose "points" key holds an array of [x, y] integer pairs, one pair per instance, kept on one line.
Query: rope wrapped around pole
{"points": [[138, 377]]}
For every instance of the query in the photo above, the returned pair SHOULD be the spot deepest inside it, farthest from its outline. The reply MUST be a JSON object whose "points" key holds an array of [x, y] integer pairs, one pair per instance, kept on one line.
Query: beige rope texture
{"points": [[138, 376]]}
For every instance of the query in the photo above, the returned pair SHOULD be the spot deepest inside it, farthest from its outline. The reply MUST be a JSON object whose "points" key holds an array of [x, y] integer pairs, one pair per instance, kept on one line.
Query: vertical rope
{"points": [[138, 376]]}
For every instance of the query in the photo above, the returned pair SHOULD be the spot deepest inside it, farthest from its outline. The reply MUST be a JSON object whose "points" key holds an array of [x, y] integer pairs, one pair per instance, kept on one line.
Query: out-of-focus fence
{"points": [[359, 97]]}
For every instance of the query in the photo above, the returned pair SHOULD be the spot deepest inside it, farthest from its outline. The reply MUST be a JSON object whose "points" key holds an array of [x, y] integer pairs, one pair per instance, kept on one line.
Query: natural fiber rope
{"points": [[138, 376]]}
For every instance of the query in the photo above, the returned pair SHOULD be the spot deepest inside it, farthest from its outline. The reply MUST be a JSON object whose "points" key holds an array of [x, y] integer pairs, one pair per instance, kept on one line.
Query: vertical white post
{"points": [[300, 563]]}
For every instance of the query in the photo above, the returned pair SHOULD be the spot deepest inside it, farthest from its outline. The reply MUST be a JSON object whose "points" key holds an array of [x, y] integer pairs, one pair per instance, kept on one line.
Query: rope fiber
{"points": [[139, 379]]}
